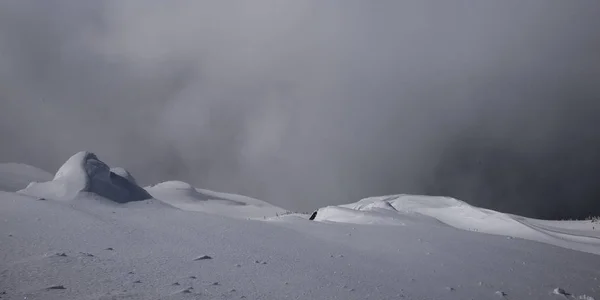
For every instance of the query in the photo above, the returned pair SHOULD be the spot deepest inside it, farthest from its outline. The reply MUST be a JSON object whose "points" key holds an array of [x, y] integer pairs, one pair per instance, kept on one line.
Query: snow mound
{"points": [[401, 209], [447, 210], [186, 197], [15, 176], [176, 190], [84, 172], [347, 215]]}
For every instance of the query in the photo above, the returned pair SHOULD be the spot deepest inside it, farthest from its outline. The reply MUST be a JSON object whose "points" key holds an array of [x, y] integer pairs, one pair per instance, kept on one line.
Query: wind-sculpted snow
{"points": [[84, 172], [186, 197], [399, 209]]}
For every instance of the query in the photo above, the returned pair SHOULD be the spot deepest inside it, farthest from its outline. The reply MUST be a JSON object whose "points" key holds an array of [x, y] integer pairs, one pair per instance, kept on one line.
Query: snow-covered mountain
{"points": [[92, 232]]}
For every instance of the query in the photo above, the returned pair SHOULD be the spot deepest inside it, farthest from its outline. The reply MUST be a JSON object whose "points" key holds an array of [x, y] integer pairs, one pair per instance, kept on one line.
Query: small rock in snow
{"points": [[501, 293], [175, 283], [264, 262], [56, 287], [238, 265], [131, 272], [216, 283], [86, 254], [193, 277], [450, 289], [109, 249], [559, 291], [62, 254], [204, 257], [137, 281]]}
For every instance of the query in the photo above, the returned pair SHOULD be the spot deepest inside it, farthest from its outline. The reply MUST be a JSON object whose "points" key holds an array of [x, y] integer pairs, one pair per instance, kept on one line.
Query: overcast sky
{"points": [[311, 103]]}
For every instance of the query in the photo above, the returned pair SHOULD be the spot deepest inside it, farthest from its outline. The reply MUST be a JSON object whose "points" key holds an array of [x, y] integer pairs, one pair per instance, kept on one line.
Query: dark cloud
{"points": [[306, 104]]}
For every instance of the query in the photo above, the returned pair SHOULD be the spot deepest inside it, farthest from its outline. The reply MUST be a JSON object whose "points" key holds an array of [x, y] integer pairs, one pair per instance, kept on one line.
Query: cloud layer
{"points": [[306, 104]]}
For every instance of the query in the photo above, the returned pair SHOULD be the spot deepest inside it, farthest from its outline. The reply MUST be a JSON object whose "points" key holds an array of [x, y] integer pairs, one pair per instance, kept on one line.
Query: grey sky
{"points": [[310, 103]]}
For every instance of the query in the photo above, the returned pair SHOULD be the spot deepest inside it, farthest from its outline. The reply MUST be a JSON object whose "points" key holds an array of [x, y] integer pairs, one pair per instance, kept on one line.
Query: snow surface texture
{"points": [[90, 249], [400, 209], [14, 177], [179, 246], [84, 172]]}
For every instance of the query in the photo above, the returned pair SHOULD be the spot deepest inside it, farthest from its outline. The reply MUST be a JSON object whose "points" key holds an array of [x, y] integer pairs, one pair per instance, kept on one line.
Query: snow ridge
{"points": [[402, 209]]}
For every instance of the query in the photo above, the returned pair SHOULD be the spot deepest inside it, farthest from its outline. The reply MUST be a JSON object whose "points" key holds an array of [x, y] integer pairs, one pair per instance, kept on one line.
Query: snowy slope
{"points": [[400, 209], [14, 177], [94, 249], [190, 243], [186, 197]]}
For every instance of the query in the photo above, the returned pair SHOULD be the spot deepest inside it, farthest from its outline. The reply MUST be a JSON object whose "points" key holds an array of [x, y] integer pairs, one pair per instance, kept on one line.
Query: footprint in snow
{"points": [[188, 290], [56, 287], [260, 262]]}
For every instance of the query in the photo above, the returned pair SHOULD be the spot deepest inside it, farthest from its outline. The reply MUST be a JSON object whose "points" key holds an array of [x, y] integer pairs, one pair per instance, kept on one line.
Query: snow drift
{"points": [[401, 209], [186, 197], [84, 172]]}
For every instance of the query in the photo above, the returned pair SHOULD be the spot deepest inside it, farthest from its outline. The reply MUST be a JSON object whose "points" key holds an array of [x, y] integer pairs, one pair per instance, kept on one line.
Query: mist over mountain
{"points": [[306, 104]]}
